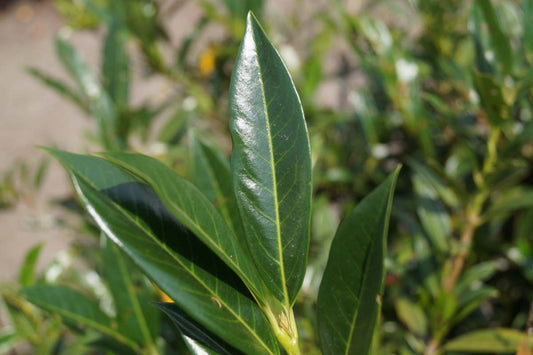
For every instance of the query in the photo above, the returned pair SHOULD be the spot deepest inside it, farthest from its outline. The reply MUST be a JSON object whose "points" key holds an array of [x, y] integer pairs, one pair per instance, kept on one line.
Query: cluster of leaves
{"points": [[451, 100]]}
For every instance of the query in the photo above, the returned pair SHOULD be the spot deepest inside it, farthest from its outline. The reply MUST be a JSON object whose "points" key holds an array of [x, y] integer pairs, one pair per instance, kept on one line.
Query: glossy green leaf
{"points": [[100, 104], [27, 271], [74, 307], [350, 293], [494, 341], [194, 211], [212, 176], [191, 329], [60, 87], [271, 163], [130, 315], [135, 218], [116, 64], [432, 214]]}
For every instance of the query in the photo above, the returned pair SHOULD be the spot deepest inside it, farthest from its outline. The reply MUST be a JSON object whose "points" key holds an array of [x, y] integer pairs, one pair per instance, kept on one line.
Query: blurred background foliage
{"points": [[443, 87]]}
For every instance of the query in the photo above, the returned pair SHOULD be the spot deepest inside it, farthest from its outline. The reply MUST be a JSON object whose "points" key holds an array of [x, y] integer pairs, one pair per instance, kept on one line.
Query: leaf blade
{"points": [[270, 163], [135, 219], [193, 209], [348, 298]]}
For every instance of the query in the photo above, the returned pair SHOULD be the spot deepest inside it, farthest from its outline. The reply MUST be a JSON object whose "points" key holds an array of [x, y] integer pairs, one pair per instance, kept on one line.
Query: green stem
{"points": [[283, 324], [473, 220]]}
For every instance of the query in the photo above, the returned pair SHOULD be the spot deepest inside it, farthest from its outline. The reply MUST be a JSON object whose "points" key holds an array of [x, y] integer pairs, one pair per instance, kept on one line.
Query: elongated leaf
{"points": [[60, 87], [271, 163], [193, 210], [212, 176], [134, 217], [189, 328], [74, 307], [116, 64], [27, 271], [494, 341], [130, 316], [100, 104], [349, 295]]}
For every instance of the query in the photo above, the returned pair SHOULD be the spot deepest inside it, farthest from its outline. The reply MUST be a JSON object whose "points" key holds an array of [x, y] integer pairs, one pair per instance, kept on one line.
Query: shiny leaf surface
{"points": [[271, 163], [193, 210], [212, 176], [135, 218]]}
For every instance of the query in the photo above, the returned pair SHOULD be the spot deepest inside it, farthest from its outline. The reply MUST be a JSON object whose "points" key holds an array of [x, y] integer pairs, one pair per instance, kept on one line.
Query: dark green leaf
{"points": [[271, 163], [27, 272], [74, 307], [494, 341], [194, 211], [212, 176], [350, 293], [189, 328], [135, 218]]}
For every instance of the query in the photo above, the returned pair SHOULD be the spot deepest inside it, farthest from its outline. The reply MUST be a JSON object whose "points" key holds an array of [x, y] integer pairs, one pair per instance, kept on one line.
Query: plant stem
{"points": [[284, 327], [465, 243], [472, 220], [473, 211]]}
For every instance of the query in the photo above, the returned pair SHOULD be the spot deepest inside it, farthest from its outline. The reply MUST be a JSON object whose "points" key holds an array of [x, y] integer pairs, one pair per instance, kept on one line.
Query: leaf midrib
{"points": [[274, 182], [178, 261], [229, 260]]}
